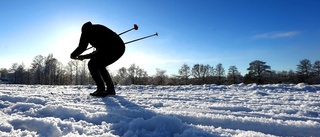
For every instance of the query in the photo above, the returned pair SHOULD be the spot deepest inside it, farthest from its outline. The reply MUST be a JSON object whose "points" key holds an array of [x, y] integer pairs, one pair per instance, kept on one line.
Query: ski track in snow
{"points": [[180, 111]]}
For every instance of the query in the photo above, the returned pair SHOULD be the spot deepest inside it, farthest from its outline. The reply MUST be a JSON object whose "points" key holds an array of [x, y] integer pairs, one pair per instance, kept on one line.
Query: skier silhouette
{"points": [[109, 48]]}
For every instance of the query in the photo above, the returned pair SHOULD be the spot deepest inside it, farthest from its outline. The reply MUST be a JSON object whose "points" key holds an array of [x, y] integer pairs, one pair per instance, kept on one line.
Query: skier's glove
{"points": [[80, 57], [77, 57], [73, 57]]}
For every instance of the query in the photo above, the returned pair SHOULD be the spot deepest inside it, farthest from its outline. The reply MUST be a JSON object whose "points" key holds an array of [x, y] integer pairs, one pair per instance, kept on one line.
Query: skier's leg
{"points": [[94, 71], [107, 57], [107, 78]]}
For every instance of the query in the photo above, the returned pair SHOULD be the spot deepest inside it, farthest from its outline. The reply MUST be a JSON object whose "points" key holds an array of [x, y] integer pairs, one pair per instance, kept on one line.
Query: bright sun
{"points": [[64, 43]]}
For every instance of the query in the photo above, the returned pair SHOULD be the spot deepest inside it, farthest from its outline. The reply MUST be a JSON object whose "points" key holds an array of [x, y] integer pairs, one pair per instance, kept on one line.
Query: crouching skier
{"points": [[109, 48]]}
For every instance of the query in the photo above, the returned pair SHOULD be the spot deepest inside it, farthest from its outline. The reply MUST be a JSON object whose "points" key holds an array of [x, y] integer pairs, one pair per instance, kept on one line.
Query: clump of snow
{"points": [[181, 111]]}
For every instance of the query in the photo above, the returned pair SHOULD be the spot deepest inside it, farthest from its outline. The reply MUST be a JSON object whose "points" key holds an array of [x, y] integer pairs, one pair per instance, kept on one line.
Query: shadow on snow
{"points": [[132, 120]]}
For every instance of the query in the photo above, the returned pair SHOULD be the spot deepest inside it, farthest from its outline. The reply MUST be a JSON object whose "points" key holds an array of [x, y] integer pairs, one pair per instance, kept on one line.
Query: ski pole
{"points": [[135, 27], [156, 34]]}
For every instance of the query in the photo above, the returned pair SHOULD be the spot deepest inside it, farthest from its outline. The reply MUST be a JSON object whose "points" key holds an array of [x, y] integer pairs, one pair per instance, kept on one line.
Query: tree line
{"points": [[47, 70]]}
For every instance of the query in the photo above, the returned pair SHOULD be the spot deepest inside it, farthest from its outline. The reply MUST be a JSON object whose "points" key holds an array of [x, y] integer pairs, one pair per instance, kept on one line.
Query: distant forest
{"points": [[47, 70]]}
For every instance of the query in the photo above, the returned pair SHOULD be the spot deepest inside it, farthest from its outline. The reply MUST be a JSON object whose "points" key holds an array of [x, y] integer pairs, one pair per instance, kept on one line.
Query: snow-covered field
{"points": [[181, 111]]}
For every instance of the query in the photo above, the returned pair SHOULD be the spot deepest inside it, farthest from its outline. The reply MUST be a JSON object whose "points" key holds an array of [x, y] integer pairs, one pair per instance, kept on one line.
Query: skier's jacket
{"points": [[108, 44]]}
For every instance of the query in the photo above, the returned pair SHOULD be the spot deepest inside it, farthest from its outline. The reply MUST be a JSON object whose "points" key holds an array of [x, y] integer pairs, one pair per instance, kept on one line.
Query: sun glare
{"points": [[64, 43]]}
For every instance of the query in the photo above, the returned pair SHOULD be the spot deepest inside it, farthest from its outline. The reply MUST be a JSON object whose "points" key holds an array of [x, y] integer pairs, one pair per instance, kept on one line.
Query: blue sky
{"points": [[231, 32]]}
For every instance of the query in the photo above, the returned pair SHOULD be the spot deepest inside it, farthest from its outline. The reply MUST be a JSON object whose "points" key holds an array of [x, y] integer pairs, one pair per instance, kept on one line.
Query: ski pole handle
{"points": [[135, 27]]}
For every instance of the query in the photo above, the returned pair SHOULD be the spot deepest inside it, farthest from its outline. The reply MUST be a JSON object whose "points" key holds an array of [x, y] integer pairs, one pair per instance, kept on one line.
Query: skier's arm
{"points": [[83, 44], [87, 56]]}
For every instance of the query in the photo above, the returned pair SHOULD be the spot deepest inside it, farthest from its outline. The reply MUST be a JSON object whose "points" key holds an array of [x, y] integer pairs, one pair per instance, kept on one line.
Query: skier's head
{"points": [[86, 27]]}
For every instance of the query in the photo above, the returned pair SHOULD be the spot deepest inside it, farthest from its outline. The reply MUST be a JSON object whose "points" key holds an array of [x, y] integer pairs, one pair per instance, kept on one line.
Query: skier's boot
{"points": [[99, 92], [110, 90]]}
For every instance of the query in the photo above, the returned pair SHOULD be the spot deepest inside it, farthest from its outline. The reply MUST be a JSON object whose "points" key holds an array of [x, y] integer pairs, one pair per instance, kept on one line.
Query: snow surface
{"points": [[181, 111]]}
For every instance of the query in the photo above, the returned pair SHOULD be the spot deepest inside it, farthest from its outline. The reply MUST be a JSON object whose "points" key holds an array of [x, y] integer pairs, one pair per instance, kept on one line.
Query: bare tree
{"points": [[304, 70], [61, 76], [316, 68], [50, 69], [136, 74], [13, 70], [122, 77], [220, 73], [70, 70], [84, 73], [233, 75], [142, 76], [21, 74], [18, 73], [185, 73], [3, 73], [160, 78], [132, 73], [76, 65], [196, 73], [201, 72], [37, 69]]}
